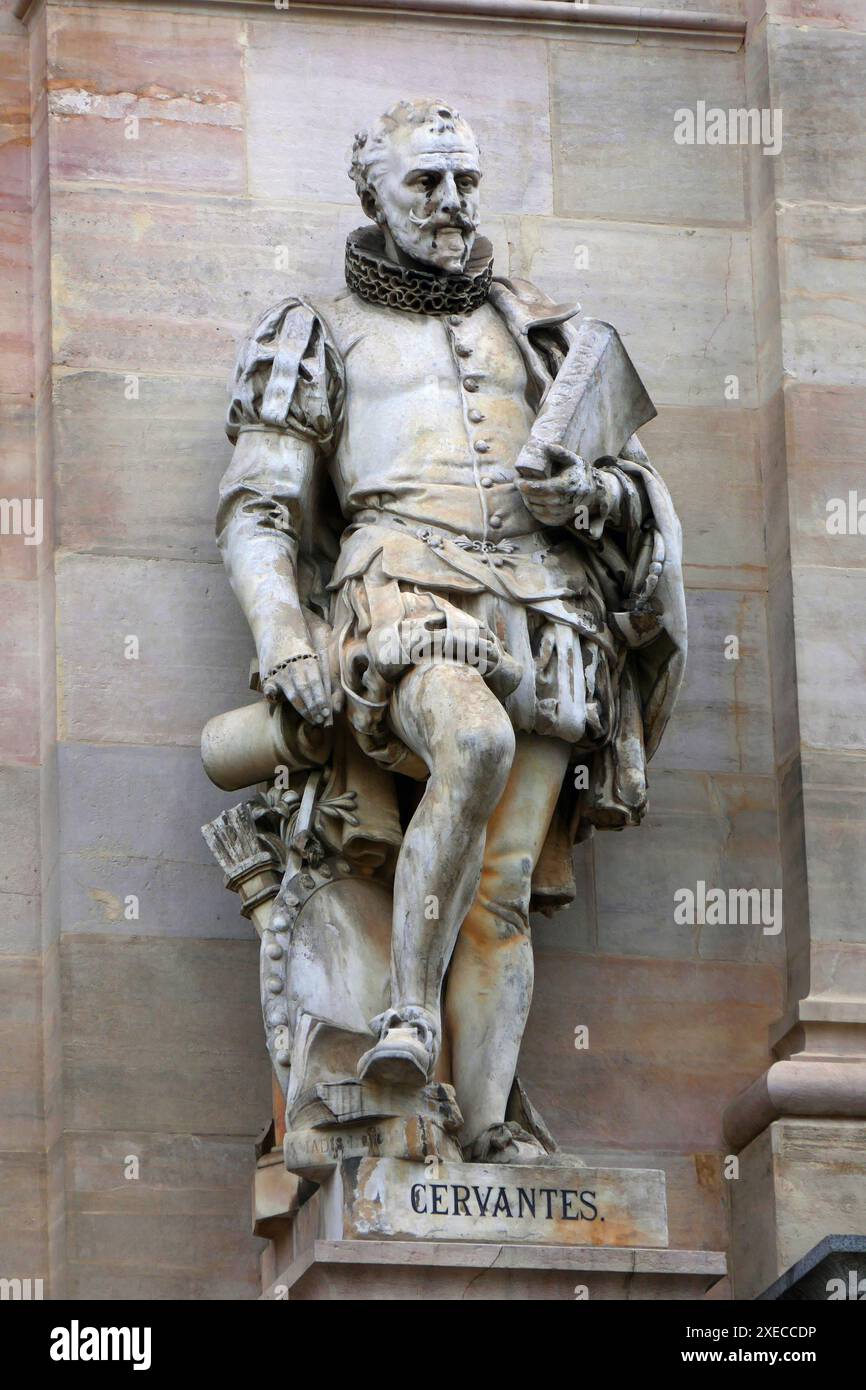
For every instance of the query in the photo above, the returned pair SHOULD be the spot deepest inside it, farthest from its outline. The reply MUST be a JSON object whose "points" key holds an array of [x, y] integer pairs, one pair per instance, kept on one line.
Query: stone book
{"points": [[595, 404]]}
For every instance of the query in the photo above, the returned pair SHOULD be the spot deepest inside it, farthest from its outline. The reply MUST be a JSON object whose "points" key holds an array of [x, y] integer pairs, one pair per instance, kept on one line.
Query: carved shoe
{"points": [[506, 1143], [406, 1050]]}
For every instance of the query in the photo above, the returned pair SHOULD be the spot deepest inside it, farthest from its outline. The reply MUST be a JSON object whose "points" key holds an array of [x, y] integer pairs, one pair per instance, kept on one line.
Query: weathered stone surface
{"points": [[838, 968], [696, 1192], [844, 14], [18, 560], [834, 795], [133, 1006], [723, 718], [200, 273], [109, 68], [679, 296], [798, 1181], [14, 123], [721, 830], [160, 1216], [16, 350], [130, 825], [823, 294], [167, 898], [387, 1198], [19, 830], [818, 80], [21, 1107], [825, 428], [669, 1044], [19, 695], [193, 657], [710, 463], [830, 609], [769, 347], [139, 476], [19, 924], [23, 1247], [346, 68], [600, 172]]}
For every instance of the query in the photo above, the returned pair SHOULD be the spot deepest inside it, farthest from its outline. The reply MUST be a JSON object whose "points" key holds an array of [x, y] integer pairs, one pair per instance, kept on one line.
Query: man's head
{"points": [[417, 170]]}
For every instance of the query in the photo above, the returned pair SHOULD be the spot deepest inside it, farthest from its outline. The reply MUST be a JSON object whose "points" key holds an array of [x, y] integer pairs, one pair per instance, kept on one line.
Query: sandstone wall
{"points": [[162, 249]]}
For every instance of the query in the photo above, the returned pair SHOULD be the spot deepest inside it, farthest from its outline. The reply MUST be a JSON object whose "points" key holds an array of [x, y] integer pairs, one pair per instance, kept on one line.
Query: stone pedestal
{"points": [[800, 1181], [387, 1228]]}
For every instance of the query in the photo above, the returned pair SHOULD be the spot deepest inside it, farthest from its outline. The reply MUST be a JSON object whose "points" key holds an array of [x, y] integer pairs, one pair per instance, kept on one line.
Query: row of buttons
{"points": [[469, 382]]}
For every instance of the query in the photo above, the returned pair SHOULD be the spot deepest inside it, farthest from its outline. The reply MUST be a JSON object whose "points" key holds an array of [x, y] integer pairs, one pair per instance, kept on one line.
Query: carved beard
{"points": [[447, 246]]}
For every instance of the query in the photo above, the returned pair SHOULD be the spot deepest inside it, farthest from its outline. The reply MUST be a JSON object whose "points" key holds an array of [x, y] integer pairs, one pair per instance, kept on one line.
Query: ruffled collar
{"points": [[378, 280]]}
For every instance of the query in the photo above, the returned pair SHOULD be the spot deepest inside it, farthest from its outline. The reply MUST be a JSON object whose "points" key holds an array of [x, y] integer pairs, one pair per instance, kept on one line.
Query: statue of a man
{"points": [[511, 648]]}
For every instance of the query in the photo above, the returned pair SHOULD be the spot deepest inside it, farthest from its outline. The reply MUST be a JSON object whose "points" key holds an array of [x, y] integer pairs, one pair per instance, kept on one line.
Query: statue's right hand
{"points": [[304, 683]]}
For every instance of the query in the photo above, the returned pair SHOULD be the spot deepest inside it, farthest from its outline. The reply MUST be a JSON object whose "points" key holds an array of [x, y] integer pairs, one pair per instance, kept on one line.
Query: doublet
{"points": [[418, 419]]}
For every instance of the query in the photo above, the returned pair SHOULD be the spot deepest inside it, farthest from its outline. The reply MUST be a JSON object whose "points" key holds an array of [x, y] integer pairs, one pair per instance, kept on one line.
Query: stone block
{"points": [[451, 1270], [160, 1216], [603, 170], [823, 293], [197, 274], [680, 298], [697, 1194], [542, 1204], [23, 1250], [130, 825], [817, 77], [14, 113], [18, 559], [723, 717], [834, 799], [830, 612], [21, 1103], [19, 829], [194, 649], [189, 121], [722, 831], [668, 1045], [800, 1180], [300, 72], [709, 460], [140, 476], [19, 696], [825, 428], [163, 1035]]}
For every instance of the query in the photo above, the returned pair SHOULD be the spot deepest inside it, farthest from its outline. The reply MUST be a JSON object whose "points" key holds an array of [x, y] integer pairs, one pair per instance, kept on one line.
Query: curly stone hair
{"points": [[369, 144]]}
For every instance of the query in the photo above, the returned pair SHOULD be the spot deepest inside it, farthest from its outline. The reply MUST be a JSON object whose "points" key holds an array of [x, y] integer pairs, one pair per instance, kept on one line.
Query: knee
{"points": [[469, 739], [485, 745], [498, 930]]}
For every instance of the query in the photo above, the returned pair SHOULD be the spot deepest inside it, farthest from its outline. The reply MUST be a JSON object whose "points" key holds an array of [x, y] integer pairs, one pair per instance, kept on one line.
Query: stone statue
{"points": [[466, 663]]}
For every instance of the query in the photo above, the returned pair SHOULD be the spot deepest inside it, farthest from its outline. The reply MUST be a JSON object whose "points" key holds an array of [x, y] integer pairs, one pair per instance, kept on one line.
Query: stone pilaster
{"points": [[802, 1119]]}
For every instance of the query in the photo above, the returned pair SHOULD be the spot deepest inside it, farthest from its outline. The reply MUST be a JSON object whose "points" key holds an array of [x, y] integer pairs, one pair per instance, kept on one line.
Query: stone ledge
{"points": [[347, 1267], [731, 29]]}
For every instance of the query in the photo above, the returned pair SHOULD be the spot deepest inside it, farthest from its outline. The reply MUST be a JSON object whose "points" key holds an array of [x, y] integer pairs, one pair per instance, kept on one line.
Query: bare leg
{"points": [[446, 714], [490, 983]]}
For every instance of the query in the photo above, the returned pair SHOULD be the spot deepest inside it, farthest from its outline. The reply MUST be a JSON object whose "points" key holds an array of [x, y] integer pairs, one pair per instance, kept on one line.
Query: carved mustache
{"points": [[458, 220]]}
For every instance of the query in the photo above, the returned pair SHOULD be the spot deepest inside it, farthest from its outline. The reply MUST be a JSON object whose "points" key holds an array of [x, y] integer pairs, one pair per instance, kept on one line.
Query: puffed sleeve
{"points": [[287, 400], [289, 376]]}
